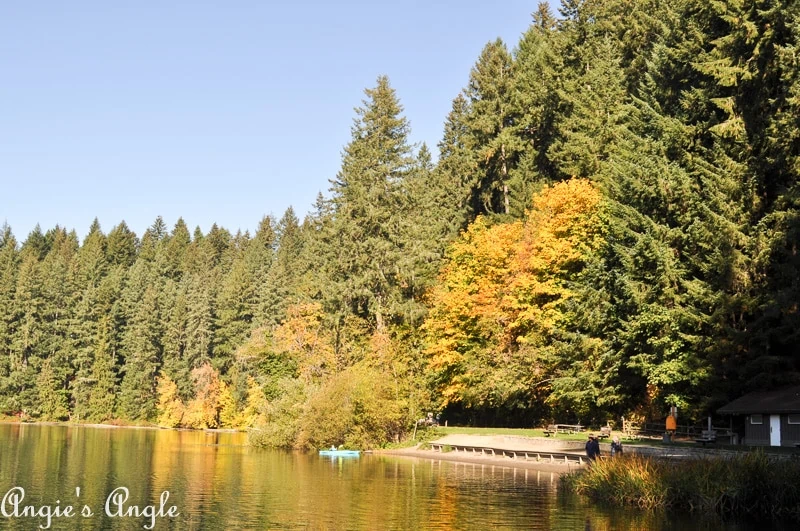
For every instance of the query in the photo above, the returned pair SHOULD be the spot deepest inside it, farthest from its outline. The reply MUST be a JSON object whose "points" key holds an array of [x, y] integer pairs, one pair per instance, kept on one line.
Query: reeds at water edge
{"points": [[748, 484]]}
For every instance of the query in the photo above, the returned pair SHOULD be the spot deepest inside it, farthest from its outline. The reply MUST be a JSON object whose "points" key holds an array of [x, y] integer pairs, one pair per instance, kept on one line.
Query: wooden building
{"points": [[770, 418]]}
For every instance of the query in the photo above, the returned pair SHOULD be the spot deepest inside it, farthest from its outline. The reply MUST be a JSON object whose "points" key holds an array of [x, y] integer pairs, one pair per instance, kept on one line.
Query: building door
{"points": [[774, 430]]}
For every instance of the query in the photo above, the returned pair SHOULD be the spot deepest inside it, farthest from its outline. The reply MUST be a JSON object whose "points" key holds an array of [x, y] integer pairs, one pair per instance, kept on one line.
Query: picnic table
{"points": [[707, 437], [562, 428]]}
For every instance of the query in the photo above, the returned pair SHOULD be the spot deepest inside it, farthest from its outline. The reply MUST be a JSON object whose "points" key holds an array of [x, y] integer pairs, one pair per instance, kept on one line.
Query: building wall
{"points": [[756, 434], [790, 433]]}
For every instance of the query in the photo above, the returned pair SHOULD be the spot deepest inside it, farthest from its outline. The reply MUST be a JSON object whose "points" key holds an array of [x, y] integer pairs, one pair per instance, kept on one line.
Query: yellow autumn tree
{"points": [[305, 339], [229, 415], [499, 298], [170, 408], [203, 410], [255, 408], [465, 324], [562, 229]]}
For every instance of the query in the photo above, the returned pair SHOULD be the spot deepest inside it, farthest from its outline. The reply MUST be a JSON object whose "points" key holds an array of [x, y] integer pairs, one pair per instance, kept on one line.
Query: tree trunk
{"points": [[505, 178]]}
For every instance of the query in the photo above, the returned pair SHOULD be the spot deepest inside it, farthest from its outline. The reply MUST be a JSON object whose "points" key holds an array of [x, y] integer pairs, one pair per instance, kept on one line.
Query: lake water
{"points": [[215, 481]]}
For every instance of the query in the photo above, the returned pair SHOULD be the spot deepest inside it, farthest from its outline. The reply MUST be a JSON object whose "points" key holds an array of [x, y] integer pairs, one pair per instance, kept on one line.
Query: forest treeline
{"points": [[611, 227]]}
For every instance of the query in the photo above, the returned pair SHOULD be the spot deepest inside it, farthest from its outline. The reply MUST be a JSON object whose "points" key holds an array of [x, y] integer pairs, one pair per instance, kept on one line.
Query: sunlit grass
{"points": [[519, 432], [465, 430]]}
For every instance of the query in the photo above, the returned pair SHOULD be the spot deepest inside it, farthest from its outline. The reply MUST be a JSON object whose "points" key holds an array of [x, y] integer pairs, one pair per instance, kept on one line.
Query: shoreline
{"points": [[68, 424], [501, 462]]}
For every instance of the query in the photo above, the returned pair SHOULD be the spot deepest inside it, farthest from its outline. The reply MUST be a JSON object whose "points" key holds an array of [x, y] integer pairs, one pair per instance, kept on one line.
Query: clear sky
{"points": [[212, 111]]}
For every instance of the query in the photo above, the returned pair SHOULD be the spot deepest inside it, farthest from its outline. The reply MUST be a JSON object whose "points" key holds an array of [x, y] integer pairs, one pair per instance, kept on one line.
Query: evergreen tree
{"points": [[218, 242], [750, 90], [431, 219], [174, 252], [52, 404], [58, 295], [457, 164], [25, 357], [234, 310], [90, 268], [121, 246], [104, 390], [285, 273], [490, 123], [8, 315], [141, 344], [200, 301], [175, 337], [535, 99], [37, 243], [592, 111], [259, 258], [361, 246]]}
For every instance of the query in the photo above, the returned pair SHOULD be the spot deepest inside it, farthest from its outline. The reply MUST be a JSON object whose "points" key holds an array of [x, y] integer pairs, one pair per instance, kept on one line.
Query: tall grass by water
{"points": [[748, 484]]}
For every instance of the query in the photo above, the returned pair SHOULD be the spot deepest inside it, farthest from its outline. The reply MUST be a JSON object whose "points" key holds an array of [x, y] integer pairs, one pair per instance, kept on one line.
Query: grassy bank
{"points": [[468, 430], [518, 432], [750, 484]]}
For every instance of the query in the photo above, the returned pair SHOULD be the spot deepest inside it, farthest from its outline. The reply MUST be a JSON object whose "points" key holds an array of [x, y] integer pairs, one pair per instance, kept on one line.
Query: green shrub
{"points": [[358, 408], [283, 417]]}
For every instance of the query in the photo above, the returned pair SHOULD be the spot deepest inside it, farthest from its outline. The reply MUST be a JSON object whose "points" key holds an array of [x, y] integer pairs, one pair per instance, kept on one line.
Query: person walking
{"points": [[616, 447], [590, 448], [595, 447]]}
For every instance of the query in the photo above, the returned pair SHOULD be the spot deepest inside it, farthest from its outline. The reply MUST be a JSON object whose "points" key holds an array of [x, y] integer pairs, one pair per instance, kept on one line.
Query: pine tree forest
{"points": [[609, 226]]}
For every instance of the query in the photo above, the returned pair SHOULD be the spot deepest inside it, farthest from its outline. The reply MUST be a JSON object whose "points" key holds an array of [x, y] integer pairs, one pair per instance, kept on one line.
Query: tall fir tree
{"points": [[234, 308], [457, 164], [490, 122], [141, 343], [361, 247], [9, 269], [121, 246], [535, 99], [25, 357], [58, 290], [432, 215], [200, 299], [285, 273], [104, 390], [89, 270]]}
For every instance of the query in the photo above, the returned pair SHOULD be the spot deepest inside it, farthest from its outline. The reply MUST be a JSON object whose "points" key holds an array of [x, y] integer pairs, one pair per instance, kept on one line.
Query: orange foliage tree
{"points": [[499, 298], [305, 338], [203, 410]]}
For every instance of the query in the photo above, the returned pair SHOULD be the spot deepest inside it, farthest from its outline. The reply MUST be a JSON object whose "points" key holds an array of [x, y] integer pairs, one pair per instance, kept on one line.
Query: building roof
{"points": [[786, 400]]}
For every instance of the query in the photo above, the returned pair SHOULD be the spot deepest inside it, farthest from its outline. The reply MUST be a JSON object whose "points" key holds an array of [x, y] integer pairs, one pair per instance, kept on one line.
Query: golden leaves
{"points": [[503, 283]]}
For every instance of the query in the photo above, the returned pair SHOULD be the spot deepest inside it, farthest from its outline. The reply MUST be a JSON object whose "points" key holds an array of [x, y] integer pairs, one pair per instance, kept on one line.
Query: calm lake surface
{"points": [[215, 481]]}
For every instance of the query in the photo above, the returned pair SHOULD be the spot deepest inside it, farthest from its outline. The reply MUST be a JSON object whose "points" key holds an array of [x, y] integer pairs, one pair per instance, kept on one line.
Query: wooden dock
{"points": [[540, 456]]}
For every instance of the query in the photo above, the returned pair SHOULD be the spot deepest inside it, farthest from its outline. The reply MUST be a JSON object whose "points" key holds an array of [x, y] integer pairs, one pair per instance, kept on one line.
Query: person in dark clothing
{"points": [[592, 448], [595, 447]]}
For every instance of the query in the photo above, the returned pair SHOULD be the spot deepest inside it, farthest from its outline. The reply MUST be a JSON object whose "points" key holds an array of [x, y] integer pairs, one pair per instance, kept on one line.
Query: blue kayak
{"points": [[340, 453]]}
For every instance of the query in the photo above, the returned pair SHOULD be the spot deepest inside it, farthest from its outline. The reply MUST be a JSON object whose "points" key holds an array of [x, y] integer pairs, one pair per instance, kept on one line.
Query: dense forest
{"points": [[610, 227]]}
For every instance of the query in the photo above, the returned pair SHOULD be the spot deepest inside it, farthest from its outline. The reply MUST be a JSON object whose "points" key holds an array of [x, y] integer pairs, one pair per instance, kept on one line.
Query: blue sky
{"points": [[212, 111]]}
